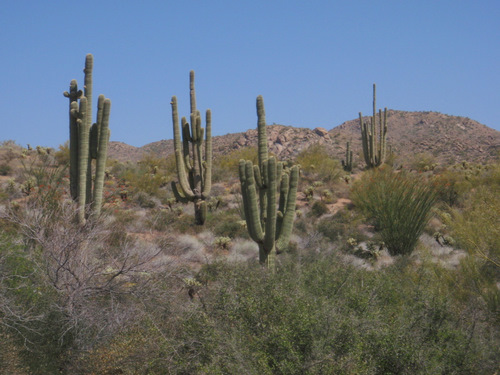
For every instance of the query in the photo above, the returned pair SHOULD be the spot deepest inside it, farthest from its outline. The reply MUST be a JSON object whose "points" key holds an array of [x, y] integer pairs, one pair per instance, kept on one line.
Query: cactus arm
{"points": [[89, 66], [74, 94], [383, 137], [83, 160], [192, 92], [372, 137], [207, 183], [243, 182], [186, 138], [197, 154], [261, 127], [289, 214], [102, 155], [279, 171], [365, 140], [250, 201], [270, 222], [96, 128], [284, 188], [179, 160], [257, 175], [177, 194], [93, 141]]}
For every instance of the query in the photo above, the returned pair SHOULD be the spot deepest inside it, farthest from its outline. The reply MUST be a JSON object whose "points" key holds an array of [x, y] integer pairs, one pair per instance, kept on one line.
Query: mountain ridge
{"points": [[449, 139]]}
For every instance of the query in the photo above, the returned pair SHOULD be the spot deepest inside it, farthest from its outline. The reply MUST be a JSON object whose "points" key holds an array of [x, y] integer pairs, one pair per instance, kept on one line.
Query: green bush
{"points": [[316, 161], [226, 167], [5, 169], [319, 208], [399, 203], [316, 317], [341, 226]]}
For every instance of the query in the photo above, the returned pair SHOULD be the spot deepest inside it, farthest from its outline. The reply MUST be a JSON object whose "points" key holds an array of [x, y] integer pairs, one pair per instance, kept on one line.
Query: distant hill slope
{"points": [[449, 139]]}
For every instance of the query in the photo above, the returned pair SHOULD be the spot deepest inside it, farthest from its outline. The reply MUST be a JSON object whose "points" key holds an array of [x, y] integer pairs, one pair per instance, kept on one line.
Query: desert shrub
{"points": [[477, 225], [62, 154], [227, 224], [423, 162], [327, 196], [159, 219], [318, 208], [316, 161], [222, 242], [226, 166], [66, 288], [150, 175], [341, 226], [5, 169], [144, 200], [318, 316], [399, 203]]}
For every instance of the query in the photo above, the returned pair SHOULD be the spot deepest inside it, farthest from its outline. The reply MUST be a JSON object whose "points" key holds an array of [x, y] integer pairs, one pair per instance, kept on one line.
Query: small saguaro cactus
{"points": [[268, 225], [374, 145], [194, 174], [347, 163], [87, 142]]}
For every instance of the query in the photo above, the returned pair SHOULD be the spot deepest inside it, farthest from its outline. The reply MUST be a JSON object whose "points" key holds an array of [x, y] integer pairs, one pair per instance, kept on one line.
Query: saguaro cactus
{"points": [[74, 94], [374, 145], [194, 174], [86, 143], [269, 227], [347, 163]]}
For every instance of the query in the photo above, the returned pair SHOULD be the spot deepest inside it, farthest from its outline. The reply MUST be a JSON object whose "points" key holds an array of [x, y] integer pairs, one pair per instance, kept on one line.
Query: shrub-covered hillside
{"points": [[387, 271]]}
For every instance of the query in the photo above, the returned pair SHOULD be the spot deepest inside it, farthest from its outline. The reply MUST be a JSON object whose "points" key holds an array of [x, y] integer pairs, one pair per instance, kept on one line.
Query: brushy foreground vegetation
{"points": [[142, 290]]}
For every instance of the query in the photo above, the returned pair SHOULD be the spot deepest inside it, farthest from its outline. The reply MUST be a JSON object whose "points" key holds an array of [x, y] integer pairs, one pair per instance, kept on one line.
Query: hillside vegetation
{"points": [[143, 290]]}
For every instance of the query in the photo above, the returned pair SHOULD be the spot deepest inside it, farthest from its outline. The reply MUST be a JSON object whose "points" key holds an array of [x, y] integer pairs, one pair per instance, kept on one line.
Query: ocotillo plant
{"points": [[269, 227], [347, 163], [195, 185], [87, 142], [374, 145]]}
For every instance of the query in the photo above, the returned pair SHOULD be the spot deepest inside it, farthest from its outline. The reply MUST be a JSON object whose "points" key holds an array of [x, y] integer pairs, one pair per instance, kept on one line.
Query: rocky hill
{"points": [[449, 139]]}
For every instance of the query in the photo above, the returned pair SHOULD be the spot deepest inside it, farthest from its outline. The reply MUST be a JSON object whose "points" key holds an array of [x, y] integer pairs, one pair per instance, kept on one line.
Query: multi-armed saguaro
{"points": [[373, 149], [195, 185], [87, 141], [268, 227], [347, 163]]}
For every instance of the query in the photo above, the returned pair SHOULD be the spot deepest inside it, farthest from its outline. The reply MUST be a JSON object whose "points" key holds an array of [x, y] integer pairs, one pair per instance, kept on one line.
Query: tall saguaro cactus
{"points": [[374, 145], [87, 142], [269, 223], [194, 173]]}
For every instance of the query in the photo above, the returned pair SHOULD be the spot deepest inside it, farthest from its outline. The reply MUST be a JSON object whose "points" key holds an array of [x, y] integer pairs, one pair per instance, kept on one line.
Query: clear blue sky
{"points": [[313, 61]]}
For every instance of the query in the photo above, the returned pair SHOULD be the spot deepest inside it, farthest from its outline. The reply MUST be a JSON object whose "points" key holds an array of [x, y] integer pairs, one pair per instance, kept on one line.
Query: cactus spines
{"points": [[347, 163], [374, 145], [269, 220], [87, 142], [193, 173]]}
